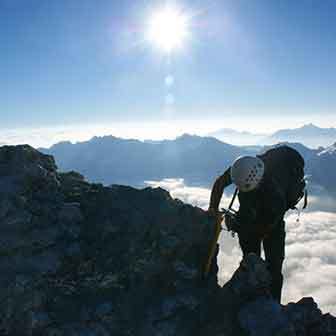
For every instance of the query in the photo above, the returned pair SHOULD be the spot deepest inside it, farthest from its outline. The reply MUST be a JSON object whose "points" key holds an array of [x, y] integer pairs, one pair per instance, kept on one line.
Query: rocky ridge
{"points": [[83, 259]]}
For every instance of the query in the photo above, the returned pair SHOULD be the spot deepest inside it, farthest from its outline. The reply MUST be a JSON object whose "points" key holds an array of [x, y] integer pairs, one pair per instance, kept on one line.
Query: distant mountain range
{"points": [[310, 135], [237, 138], [111, 160]]}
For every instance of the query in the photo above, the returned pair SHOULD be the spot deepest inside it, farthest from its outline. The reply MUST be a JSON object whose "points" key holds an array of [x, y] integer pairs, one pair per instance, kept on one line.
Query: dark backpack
{"points": [[286, 165]]}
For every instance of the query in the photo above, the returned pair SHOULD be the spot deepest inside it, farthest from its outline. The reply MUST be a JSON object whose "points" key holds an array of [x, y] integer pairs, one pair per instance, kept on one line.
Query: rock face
{"points": [[84, 259]]}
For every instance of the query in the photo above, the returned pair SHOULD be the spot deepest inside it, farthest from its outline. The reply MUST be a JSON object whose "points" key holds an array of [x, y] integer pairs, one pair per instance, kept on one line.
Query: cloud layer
{"points": [[310, 264]]}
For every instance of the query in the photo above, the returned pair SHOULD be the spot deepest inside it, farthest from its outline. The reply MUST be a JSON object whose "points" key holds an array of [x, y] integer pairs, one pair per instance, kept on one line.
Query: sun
{"points": [[168, 29]]}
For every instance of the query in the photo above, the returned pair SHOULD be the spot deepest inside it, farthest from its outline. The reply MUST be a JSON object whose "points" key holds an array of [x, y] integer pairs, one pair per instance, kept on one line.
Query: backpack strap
{"points": [[233, 198], [305, 200]]}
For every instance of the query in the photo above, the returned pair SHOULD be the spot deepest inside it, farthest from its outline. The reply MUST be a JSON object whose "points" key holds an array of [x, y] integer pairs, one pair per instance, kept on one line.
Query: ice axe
{"points": [[218, 229], [229, 215]]}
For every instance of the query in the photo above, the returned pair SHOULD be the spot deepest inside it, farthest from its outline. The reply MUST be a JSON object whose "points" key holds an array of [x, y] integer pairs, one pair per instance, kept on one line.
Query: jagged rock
{"points": [[83, 259], [264, 317], [308, 319], [261, 315], [258, 314], [251, 278]]}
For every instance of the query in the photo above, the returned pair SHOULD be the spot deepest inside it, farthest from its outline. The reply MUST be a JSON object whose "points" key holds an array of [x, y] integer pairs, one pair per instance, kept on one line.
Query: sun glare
{"points": [[168, 29]]}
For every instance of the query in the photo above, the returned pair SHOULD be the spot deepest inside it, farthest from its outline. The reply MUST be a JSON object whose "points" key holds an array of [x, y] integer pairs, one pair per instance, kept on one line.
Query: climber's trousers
{"points": [[274, 248]]}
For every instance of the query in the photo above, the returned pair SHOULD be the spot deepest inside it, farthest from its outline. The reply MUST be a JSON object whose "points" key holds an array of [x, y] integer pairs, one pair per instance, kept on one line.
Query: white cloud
{"points": [[310, 264], [47, 136], [196, 196]]}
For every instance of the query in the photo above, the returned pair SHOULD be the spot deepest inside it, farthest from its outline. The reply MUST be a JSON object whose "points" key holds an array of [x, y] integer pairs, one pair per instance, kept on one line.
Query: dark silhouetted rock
{"points": [[264, 317], [251, 278]]}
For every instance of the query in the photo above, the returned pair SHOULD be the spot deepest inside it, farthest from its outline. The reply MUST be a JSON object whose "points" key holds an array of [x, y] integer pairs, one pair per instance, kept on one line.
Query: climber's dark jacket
{"points": [[261, 212], [262, 209]]}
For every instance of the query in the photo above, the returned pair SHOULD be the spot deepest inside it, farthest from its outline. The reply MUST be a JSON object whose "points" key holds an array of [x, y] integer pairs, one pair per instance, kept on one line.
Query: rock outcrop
{"points": [[83, 259]]}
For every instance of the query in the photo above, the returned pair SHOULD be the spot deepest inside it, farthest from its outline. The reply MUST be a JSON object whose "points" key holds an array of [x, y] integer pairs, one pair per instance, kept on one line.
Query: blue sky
{"points": [[246, 63]]}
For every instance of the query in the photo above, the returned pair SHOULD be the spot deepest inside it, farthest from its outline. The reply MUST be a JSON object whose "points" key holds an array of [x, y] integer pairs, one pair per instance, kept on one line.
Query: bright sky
{"points": [[233, 63]]}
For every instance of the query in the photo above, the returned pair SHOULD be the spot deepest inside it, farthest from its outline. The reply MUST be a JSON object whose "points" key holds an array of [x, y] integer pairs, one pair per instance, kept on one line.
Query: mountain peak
{"points": [[310, 126], [193, 139], [187, 136], [309, 135]]}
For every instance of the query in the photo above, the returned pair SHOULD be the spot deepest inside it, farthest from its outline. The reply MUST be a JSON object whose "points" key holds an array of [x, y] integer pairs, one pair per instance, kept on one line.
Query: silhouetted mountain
{"points": [[196, 159], [113, 160], [309, 135]]}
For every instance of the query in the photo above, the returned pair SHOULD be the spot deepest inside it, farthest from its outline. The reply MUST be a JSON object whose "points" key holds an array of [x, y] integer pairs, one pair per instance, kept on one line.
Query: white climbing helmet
{"points": [[247, 172]]}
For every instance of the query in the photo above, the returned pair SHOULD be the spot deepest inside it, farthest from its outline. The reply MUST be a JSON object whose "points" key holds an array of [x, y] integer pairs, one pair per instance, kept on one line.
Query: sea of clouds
{"points": [[310, 264]]}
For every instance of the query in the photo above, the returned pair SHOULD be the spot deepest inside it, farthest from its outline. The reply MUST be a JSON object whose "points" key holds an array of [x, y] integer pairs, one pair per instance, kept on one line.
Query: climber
{"points": [[268, 185]]}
